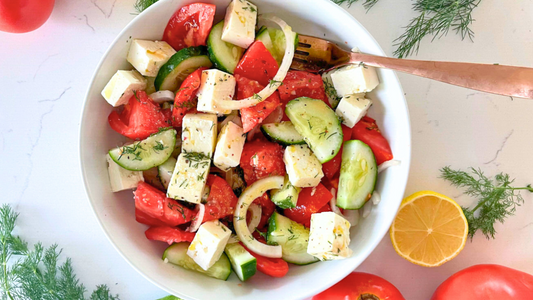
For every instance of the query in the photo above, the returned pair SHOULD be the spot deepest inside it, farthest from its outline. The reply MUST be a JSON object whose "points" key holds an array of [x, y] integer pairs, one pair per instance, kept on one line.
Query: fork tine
{"points": [[314, 54]]}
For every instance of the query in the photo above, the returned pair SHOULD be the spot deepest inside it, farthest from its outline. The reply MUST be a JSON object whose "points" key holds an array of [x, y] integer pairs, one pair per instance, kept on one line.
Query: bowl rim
{"points": [[330, 281]]}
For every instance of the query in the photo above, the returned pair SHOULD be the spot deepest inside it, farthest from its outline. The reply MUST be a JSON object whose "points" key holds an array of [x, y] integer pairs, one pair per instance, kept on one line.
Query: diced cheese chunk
{"points": [[119, 89], [352, 108], [120, 178], [189, 177], [148, 56], [329, 236], [216, 86], [239, 24], [209, 243], [302, 166], [229, 146], [199, 133], [330, 90], [354, 79]]}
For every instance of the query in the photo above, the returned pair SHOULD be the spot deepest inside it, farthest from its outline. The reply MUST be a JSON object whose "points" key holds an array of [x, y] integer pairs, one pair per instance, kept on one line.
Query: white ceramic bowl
{"points": [[115, 211]]}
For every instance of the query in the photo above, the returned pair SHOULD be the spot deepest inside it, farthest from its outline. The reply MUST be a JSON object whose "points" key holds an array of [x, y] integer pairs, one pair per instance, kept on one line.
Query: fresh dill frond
{"points": [[34, 273], [436, 18], [368, 4], [141, 5], [497, 199]]}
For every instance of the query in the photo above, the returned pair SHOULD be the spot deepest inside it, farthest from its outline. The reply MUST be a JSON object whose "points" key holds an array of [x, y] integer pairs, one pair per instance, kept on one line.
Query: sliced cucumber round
{"points": [[318, 124], [148, 153], [287, 196], [179, 66], [358, 176], [165, 171], [243, 263], [224, 55], [177, 254], [282, 133], [293, 238]]}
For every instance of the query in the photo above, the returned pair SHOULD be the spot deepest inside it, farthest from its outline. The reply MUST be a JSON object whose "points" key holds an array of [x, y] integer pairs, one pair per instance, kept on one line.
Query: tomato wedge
{"points": [[302, 84], [310, 201], [257, 64], [221, 201], [140, 118], [368, 132], [185, 101], [154, 203], [168, 234], [267, 209], [144, 218], [275, 267], [190, 26], [260, 159], [332, 167], [255, 115]]}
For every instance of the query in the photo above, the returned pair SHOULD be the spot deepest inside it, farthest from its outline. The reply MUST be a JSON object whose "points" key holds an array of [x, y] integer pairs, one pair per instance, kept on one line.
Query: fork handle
{"points": [[496, 79]]}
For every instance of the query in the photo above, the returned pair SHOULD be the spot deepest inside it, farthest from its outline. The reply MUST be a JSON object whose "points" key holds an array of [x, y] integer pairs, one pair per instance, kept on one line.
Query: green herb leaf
{"points": [[35, 273], [497, 199], [141, 5]]}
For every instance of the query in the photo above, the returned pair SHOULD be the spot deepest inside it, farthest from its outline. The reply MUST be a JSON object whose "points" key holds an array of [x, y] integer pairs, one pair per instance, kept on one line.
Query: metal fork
{"points": [[317, 55]]}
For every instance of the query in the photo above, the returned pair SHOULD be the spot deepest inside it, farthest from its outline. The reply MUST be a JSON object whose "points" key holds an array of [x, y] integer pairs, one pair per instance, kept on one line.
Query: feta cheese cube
{"points": [[229, 146], [120, 88], [199, 134], [329, 236], [302, 166], [239, 24], [352, 108], [148, 56], [216, 85], [209, 243], [189, 177], [120, 178], [354, 79], [330, 90]]}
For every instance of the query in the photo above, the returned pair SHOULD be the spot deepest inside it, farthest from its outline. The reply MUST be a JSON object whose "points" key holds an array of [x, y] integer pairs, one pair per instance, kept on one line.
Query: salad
{"points": [[238, 162]]}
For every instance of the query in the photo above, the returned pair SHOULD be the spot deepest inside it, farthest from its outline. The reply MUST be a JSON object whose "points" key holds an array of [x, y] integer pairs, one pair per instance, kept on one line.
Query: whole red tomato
{"points": [[19, 16], [359, 286], [486, 282]]}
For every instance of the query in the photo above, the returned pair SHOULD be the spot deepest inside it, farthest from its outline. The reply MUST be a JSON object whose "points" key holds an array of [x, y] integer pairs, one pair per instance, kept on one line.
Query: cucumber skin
{"points": [[280, 141], [273, 226], [337, 123], [248, 269], [175, 60], [120, 163], [287, 196], [343, 199], [212, 56], [223, 260]]}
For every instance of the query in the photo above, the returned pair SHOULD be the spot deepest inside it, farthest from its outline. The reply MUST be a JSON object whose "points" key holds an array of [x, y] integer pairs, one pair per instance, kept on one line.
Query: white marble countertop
{"points": [[45, 75]]}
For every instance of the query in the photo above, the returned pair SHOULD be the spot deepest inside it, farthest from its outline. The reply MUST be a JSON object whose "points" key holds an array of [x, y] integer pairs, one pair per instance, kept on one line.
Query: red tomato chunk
{"points": [[186, 101], [261, 159], [310, 201], [168, 234], [257, 64], [221, 201], [140, 117], [190, 26], [368, 132]]}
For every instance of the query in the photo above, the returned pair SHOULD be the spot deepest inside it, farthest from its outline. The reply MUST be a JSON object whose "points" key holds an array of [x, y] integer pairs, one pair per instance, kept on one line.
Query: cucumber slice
{"points": [[274, 41], [165, 171], [177, 254], [293, 238], [225, 56], [243, 263], [358, 176], [287, 196], [282, 133], [148, 153], [318, 124], [179, 66]]}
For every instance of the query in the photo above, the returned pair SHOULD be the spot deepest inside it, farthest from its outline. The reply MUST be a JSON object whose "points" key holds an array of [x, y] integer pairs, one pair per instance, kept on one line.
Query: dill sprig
{"points": [[497, 199], [141, 5], [34, 273], [368, 4], [436, 19]]}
